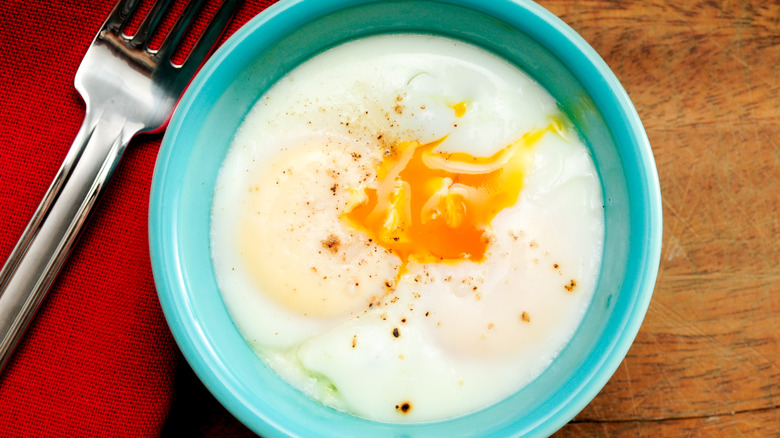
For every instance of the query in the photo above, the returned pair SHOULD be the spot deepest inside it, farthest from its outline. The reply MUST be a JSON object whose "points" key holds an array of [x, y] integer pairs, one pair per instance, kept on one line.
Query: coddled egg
{"points": [[406, 228]]}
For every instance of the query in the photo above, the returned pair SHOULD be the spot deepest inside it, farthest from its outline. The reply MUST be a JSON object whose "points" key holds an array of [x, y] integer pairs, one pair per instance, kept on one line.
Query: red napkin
{"points": [[98, 360]]}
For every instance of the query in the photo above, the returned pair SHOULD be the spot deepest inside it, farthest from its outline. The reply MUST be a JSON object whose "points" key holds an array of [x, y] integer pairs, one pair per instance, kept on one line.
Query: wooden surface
{"points": [[705, 79]]}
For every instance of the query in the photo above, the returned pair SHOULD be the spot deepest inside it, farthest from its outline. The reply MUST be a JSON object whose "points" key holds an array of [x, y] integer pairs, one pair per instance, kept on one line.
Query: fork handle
{"points": [[44, 245]]}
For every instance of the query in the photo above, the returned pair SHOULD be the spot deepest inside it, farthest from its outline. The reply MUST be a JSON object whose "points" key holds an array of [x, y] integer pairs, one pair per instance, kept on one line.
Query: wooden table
{"points": [[705, 79]]}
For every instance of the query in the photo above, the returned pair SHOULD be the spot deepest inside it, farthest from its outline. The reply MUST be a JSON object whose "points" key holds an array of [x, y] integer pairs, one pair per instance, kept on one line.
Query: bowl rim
{"points": [[545, 28]]}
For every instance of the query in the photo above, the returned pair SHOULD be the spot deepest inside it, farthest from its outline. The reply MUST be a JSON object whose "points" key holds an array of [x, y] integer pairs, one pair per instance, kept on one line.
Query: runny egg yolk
{"points": [[459, 108], [432, 206]]}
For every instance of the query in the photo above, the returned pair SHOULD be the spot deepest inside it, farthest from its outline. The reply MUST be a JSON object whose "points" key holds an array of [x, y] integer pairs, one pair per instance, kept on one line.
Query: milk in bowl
{"points": [[407, 228]]}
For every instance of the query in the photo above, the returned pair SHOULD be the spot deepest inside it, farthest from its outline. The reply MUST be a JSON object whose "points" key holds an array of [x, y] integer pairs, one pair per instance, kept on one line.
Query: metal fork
{"points": [[128, 89]]}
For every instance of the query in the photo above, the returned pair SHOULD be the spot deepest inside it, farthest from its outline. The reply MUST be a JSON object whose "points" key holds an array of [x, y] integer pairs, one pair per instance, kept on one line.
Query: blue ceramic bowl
{"points": [[292, 31]]}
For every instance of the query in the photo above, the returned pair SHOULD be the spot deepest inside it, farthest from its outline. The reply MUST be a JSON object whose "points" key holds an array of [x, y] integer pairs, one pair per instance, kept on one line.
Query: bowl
{"points": [[288, 33]]}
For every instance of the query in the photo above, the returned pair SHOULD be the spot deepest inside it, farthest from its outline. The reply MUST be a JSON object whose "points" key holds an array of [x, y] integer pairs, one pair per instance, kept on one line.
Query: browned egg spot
{"points": [[331, 243], [404, 407]]}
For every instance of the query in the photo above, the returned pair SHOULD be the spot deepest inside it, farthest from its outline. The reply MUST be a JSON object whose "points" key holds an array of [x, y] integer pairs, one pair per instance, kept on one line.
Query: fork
{"points": [[128, 89]]}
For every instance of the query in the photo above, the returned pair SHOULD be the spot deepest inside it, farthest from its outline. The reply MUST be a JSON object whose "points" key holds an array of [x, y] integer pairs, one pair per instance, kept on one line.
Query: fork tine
{"points": [[120, 15], [150, 23], [209, 37], [179, 28]]}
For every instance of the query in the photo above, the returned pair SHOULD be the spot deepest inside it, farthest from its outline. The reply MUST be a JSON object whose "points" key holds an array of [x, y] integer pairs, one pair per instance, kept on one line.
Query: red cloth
{"points": [[98, 360]]}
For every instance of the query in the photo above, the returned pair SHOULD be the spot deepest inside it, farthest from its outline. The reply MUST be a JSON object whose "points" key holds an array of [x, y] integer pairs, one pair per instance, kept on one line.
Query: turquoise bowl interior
{"points": [[292, 31]]}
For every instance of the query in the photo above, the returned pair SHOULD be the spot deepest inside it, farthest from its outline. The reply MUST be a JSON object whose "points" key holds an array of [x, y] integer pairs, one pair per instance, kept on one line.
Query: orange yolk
{"points": [[432, 206], [459, 108]]}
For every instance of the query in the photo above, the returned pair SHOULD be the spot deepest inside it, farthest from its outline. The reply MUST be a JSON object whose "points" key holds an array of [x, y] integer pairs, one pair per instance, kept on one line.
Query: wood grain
{"points": [[761, 423], [704, 77]]}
